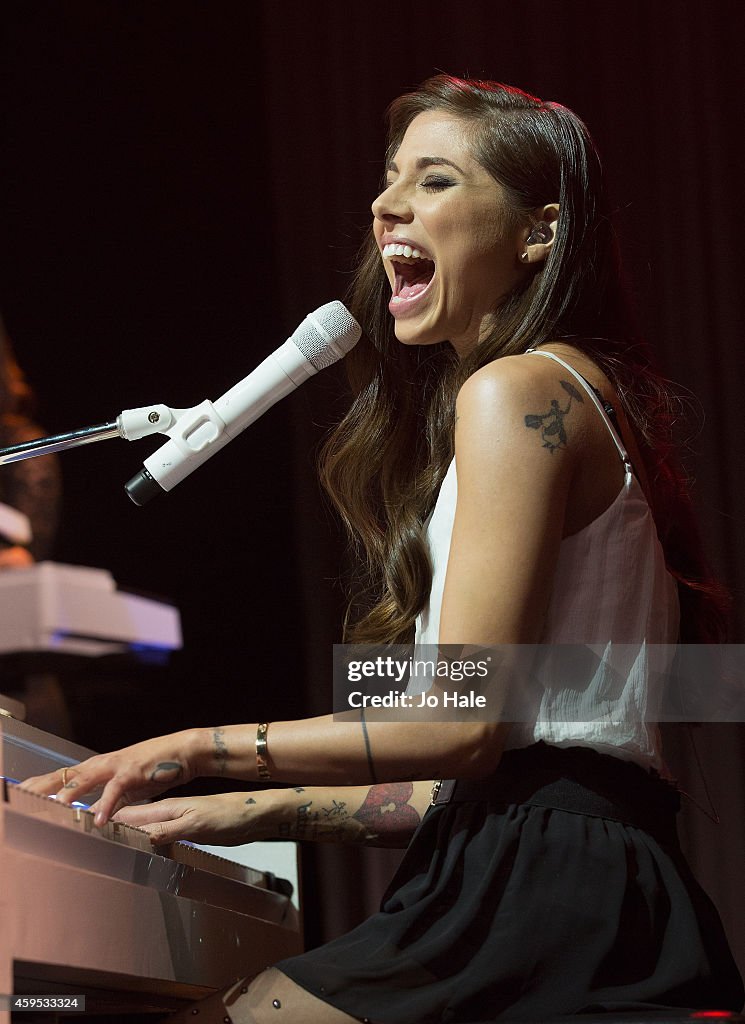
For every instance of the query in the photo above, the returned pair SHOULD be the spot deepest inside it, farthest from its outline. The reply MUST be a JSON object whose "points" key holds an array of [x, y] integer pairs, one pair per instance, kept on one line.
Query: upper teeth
{"points": [[389, 251]]}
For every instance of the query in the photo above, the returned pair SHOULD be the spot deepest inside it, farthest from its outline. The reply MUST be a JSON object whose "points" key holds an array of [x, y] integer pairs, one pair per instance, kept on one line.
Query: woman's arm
{"points": [[513, 490], [512, 494], [386, 815], [320, 751]]}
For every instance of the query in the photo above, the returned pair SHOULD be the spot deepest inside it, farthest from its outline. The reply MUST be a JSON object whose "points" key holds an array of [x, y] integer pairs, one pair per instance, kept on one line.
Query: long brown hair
{"points": [[383, 464]]}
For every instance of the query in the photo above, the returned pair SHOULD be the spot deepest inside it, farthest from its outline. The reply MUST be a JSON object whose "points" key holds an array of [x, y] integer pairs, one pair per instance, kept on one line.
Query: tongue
{"points": [[408, 291]]}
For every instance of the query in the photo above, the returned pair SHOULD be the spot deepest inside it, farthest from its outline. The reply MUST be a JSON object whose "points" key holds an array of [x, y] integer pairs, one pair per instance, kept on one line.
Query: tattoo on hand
{"points": [[166, 768], [551, 423], [70, 785], [221, 751]]}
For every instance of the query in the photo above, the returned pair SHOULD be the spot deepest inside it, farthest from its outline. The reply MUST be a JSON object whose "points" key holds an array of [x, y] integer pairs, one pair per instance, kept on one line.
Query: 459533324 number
{"points": [[62, 1004]]}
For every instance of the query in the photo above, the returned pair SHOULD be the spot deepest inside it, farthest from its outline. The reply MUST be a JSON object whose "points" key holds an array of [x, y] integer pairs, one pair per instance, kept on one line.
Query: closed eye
{"points": [[436, 183], [432, 183]]}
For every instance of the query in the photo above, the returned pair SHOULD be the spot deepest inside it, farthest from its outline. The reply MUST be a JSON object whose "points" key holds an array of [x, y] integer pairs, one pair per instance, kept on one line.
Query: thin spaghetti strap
{"points": [[596, 401]]}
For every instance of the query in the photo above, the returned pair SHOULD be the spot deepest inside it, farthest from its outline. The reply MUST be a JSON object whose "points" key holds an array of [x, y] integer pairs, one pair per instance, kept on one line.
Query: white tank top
{"points": [[615, 590]]}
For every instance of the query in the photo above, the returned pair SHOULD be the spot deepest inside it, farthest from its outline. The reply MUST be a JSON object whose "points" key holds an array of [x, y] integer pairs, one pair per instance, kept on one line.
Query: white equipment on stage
{"points": [[74, 609]]}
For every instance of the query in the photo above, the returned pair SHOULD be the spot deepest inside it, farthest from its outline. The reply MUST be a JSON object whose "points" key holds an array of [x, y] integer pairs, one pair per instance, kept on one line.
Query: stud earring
{"points": [[524, 257]]}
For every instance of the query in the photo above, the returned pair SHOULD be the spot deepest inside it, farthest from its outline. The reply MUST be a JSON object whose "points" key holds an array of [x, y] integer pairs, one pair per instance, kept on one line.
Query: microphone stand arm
{"points": [[132, 424]]}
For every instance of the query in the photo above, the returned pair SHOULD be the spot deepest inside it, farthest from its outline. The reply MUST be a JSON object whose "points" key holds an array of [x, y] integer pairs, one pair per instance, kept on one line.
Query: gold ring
{"points": [[64, 777]]}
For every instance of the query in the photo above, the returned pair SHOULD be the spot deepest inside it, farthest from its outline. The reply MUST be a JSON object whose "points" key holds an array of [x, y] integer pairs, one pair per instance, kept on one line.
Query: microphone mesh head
{"points": [[327, 334]]}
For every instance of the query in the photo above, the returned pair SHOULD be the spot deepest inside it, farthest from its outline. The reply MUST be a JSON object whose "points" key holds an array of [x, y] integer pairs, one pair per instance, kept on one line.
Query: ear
{"points": [[539, 237]]}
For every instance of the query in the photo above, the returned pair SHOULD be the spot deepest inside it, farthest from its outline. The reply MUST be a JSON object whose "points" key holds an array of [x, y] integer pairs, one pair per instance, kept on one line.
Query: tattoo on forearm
{"points": [[551, 423], [221, 751], [387, 808], [330, 824], [368, 751], [303, 820], [250, 800], [336, 810], [167, 768], [386, 818]]}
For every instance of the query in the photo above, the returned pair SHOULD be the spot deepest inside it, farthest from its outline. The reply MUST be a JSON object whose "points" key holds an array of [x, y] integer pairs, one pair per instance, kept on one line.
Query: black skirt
{"points": [[555, 887]]}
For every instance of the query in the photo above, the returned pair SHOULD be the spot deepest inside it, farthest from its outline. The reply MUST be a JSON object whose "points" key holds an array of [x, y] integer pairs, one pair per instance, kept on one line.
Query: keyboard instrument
{"points": [[99, 912]]}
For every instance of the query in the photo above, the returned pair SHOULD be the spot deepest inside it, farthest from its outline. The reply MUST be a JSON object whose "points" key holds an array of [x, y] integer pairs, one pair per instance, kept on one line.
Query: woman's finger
{"points": [[116, 793], [164, 821], [46, 785], [146, 814], [68, 783], [163, 832]]}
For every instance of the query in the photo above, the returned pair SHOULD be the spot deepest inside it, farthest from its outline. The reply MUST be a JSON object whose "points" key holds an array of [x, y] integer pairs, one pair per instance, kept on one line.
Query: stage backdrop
{"points": [[182, 182]]}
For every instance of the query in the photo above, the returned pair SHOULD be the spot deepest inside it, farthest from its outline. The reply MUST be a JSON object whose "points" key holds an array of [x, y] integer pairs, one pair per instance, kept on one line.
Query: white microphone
{"points": [[321, 339]]}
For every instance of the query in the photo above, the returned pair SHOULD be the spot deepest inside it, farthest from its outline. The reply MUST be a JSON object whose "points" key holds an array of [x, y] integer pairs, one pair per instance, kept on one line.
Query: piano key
{"points": [[103, 910]]}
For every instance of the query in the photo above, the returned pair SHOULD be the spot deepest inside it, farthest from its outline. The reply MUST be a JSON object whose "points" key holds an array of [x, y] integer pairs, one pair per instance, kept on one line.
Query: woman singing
{"points": [[504, 467]]}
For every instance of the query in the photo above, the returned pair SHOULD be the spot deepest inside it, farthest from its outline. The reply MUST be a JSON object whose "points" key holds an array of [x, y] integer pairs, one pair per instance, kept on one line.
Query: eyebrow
{"points": [[429, 161]]}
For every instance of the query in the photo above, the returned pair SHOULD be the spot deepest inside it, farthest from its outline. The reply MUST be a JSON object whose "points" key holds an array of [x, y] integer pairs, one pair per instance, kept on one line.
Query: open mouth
{"points": [[413, 271]]}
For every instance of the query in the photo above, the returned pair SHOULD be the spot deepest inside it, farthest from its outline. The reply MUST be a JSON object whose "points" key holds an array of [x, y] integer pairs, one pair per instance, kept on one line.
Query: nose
{"points": [[391, 206]]}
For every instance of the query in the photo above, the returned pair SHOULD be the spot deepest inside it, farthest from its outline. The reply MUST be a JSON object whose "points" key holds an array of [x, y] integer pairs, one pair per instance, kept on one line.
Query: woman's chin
{"points": [[409, 333]]}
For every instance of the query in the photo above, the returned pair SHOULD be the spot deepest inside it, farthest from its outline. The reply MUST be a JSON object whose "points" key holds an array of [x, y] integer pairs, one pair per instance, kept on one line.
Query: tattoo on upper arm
{"points": [[551, 423], [368, 750], [221, 750]]}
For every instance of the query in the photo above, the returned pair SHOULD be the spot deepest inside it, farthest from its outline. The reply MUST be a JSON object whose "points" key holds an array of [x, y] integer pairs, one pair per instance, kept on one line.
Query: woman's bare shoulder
{"points": [[518, 376], [531, 401]]}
